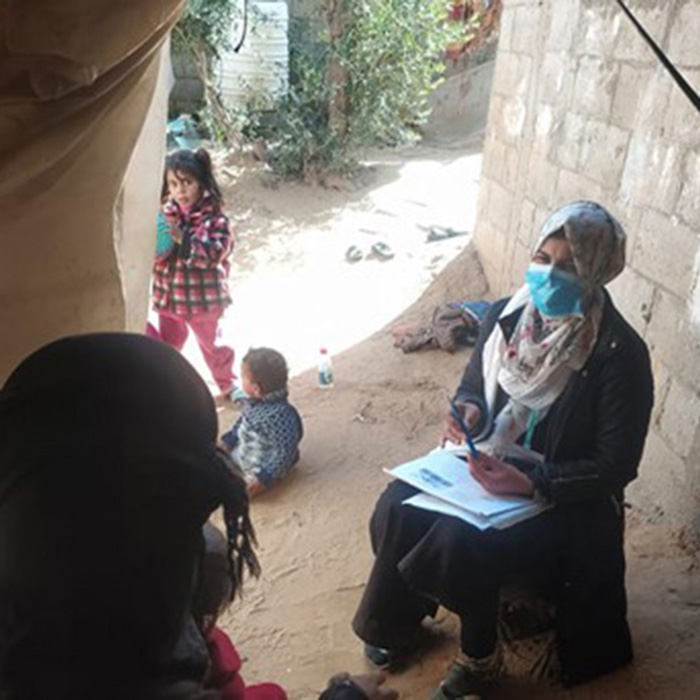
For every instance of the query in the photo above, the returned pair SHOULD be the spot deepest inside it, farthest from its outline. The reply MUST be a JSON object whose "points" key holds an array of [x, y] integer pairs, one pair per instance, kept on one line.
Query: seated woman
{"points": [[558, 392], [108, 472]]}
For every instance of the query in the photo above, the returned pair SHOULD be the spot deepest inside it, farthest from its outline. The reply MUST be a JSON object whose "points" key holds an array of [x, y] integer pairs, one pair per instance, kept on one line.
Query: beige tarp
{"points": [[82, 130]]}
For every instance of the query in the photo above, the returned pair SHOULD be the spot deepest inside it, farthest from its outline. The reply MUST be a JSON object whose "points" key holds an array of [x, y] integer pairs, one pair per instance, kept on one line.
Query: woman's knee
{"points": [[388, 509]]}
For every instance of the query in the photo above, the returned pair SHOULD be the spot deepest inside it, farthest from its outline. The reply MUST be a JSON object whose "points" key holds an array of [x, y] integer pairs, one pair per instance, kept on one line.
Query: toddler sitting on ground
{"points": [[264, 441], [213, 595]]}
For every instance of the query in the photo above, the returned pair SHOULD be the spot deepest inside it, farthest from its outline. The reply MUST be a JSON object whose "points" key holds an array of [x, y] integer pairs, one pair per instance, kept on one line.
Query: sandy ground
{"points": [[294, 291]]}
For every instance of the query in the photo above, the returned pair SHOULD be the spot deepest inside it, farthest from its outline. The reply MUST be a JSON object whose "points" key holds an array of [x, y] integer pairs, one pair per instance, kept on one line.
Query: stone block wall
{"points": [[582, 109]]}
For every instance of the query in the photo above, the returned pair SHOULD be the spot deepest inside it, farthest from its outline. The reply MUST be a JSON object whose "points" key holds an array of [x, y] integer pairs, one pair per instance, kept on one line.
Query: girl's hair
{"points": [[240, 534], [196, 164]]}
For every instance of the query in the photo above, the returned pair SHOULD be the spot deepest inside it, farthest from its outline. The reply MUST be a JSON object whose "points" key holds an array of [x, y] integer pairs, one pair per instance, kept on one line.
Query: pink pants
{"points": [[174, 330]]}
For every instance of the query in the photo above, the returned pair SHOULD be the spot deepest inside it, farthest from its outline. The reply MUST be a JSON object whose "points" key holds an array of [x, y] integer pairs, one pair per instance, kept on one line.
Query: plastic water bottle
{"points": [[325, 370]]}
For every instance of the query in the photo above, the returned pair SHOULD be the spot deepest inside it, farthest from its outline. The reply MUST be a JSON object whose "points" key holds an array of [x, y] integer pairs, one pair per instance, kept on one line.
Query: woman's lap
{"points": [[423, 557]]}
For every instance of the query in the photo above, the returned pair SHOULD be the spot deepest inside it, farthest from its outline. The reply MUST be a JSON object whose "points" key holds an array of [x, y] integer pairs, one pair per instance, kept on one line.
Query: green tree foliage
{"points": [[363, 80], [388, 59], [203, 32], [205, 27]]}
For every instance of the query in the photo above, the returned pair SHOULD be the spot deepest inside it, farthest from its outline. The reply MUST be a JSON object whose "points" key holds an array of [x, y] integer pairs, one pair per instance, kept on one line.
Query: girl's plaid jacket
{"points": [[192, 278]]}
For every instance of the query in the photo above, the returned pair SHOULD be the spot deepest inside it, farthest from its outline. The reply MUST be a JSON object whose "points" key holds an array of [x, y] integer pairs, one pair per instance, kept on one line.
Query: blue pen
{"points": [[460, 421]]}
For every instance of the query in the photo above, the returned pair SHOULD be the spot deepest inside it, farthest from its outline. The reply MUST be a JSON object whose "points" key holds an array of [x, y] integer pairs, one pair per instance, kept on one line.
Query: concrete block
{"points": [[681, 118], [665, 251], [630, 217], [689, 200], [563, 25], [654, 103], [519, 263], [629, 95], [556, 78], [513, 119], [567, 140], [680, 418], [494, 159], [594, 35], [545, 124], [683, 37], [541, 215], [482, 204], [594, 88], [496, 127], [511, 167], [661, 485], [629, 44], [512, 74], [662, 382], [526, 35], [603, 153], [526, 222], [505, 33], [542, 180], [501, 203], [572, 185], [652, 172], [633, 296], [673, 340]]}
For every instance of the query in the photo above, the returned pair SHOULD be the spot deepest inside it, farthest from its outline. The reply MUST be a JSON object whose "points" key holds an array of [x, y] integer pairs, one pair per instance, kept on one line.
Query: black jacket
{"points": [[592, 440]]}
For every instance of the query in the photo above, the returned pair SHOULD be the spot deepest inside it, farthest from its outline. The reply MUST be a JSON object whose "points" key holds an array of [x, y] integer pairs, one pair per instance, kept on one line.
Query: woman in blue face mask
{"points": [[557, 394]]}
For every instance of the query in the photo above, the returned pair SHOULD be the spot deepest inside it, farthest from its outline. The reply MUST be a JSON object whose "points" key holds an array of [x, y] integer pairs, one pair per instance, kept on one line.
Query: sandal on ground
{"points": [[382, 251], [440, 233], [353, 254]]}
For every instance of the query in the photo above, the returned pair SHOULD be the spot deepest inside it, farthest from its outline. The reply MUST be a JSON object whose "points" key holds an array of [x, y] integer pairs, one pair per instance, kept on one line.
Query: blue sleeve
{"points": [[284, 433], [230, 438]]}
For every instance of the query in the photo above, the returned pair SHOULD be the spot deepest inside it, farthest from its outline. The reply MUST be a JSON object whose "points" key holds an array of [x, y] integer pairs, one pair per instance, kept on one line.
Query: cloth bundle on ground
{"points": [[108, 471], [452, 325]]}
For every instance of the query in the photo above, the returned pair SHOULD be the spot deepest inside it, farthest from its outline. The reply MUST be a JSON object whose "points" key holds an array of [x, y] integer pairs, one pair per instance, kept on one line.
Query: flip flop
{"points": [[353, 254], [439, 233], [382, 251]]}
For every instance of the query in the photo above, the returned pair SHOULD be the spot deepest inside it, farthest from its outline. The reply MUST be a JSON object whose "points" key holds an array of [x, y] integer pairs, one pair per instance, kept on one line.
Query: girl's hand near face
{"points": [[173, 221], [176, 233], [500, 478]]}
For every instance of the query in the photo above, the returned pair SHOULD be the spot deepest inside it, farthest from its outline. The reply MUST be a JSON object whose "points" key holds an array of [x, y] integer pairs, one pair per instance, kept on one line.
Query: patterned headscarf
{"points": [[534, 365], [596, 238]]}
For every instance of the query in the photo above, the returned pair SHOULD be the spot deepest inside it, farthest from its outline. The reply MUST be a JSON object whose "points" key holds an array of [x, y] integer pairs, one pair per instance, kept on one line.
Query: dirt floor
{"points": [[295, 291]]}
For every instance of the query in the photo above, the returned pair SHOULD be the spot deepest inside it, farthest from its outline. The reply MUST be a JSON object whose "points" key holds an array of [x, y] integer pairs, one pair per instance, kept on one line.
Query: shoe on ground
{"points": [[469, 679], [382, 251], [353, 254], [378, 656]]}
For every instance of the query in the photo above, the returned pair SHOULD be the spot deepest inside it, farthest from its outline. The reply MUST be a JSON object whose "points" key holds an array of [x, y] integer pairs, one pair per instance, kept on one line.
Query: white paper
{"points": [[500, 522], [440, 473]]}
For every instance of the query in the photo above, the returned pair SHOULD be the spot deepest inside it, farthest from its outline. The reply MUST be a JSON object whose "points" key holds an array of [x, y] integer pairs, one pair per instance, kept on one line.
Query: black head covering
{"points": [[108, 471]]}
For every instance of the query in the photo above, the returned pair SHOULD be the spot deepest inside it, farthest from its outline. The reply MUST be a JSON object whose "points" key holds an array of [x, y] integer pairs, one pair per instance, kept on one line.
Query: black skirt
{"points": [[424, 559]]}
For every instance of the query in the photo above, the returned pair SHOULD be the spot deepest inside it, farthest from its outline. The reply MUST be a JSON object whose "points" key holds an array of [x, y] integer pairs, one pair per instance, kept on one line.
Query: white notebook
{"points": [[449, 488]]}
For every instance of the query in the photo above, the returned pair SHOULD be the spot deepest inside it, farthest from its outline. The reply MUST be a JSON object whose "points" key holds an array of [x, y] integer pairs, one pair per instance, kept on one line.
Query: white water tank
{"points": [[261, 67]]}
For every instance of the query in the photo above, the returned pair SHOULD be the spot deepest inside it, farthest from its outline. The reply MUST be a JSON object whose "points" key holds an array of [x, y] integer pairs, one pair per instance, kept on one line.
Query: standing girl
{"points": [[190, 288]]}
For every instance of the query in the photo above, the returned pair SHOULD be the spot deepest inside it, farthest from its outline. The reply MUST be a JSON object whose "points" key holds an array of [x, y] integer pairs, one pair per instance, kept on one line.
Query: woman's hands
{"points": [[500, 478], [451, 431]]}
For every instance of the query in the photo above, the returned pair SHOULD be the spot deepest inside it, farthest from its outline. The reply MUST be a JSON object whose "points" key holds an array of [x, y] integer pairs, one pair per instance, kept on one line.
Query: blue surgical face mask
{"points": [[554, 292]]}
